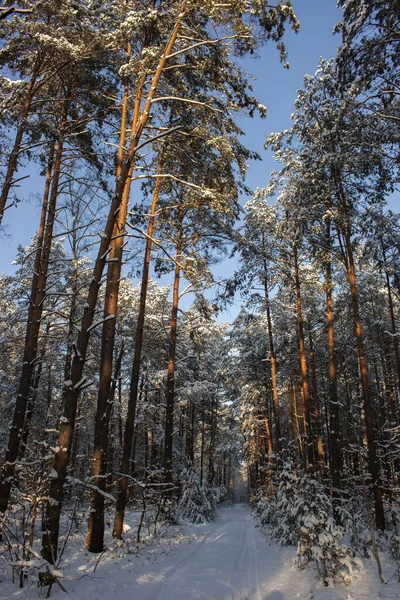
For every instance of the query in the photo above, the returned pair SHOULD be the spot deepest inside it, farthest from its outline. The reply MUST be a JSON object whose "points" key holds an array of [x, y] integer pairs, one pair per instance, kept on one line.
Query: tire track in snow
{"points": [[241, 588], [248, 584], [237, 570], [181, 566], [255, 563]]}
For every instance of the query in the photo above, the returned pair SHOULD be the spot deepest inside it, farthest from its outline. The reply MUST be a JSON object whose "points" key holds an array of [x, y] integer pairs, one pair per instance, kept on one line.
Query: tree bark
{"points": [[373, 461], [272, 356], [76, 382], [37, 298], [318, 441], [170, 390], [309, 456], [334, 411], [95, 530], [135, 374], [12, 164]]}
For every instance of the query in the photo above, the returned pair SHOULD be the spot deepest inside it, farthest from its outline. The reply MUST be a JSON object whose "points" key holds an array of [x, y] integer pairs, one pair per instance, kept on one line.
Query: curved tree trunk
{"points": [[77, 381], [12, 164], [134, 385]]}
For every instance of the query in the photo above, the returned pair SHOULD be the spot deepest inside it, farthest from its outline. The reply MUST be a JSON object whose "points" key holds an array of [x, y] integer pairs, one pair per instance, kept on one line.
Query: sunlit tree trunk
{"points": [[135, 374], [77, 381], [308, 440], [95, 530], [334, 409], [272, 356], [373, 461]]}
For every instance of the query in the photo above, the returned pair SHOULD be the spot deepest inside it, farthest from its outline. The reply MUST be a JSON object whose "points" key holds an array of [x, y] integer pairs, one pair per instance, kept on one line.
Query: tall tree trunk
{"points": [[303, 365], [344, 230], [318, 441], [202, 442], [95, 530], [37, 298], [373, 461], [392, 318], [135, 374], [12, 163], [334, 410], [170, 390], [33, 394], [272, 356], [77, 381], [213, 436], [298, 419]]}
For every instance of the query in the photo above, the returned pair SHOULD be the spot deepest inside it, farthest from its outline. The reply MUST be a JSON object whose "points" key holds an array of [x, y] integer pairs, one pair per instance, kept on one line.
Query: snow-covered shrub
{"points": [[217, 495], [393, 533], [279, 510], [318, 536], [196, 503], [259, 502], [300, 513], [354, 520]]}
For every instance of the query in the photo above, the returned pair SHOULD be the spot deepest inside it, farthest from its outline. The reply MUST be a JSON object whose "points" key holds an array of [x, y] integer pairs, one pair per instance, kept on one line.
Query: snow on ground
{"points": [[228, 559]]}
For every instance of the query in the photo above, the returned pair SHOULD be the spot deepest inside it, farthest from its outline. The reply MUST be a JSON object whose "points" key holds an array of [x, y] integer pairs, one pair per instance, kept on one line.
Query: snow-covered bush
{"points": [[216, 495], [354, 520], [393, 534], [300, 513], [278, 509], [196, 503], [259, 501], [318, 536]]}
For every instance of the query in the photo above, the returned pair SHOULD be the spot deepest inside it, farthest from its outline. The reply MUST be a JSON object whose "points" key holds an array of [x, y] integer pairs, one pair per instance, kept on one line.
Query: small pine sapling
{"points": [[196, 503], [318, 535]]}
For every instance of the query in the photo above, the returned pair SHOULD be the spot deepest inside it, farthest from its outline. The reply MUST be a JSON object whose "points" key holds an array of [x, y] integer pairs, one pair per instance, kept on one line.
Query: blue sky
{"points": [[274, 86]]}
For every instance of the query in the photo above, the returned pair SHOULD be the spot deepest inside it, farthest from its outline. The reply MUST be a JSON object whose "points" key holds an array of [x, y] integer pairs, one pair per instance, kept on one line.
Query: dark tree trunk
{"points": [[170, 390], [37, 298], [318, 441]]}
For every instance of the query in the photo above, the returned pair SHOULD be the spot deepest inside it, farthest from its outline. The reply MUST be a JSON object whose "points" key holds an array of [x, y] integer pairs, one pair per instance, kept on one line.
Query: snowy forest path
{"points": [[228, 560]]}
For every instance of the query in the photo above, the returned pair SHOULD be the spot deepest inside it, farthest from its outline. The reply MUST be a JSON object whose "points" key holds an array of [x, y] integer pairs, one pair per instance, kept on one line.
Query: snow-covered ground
{"points": [[228, 559]]}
